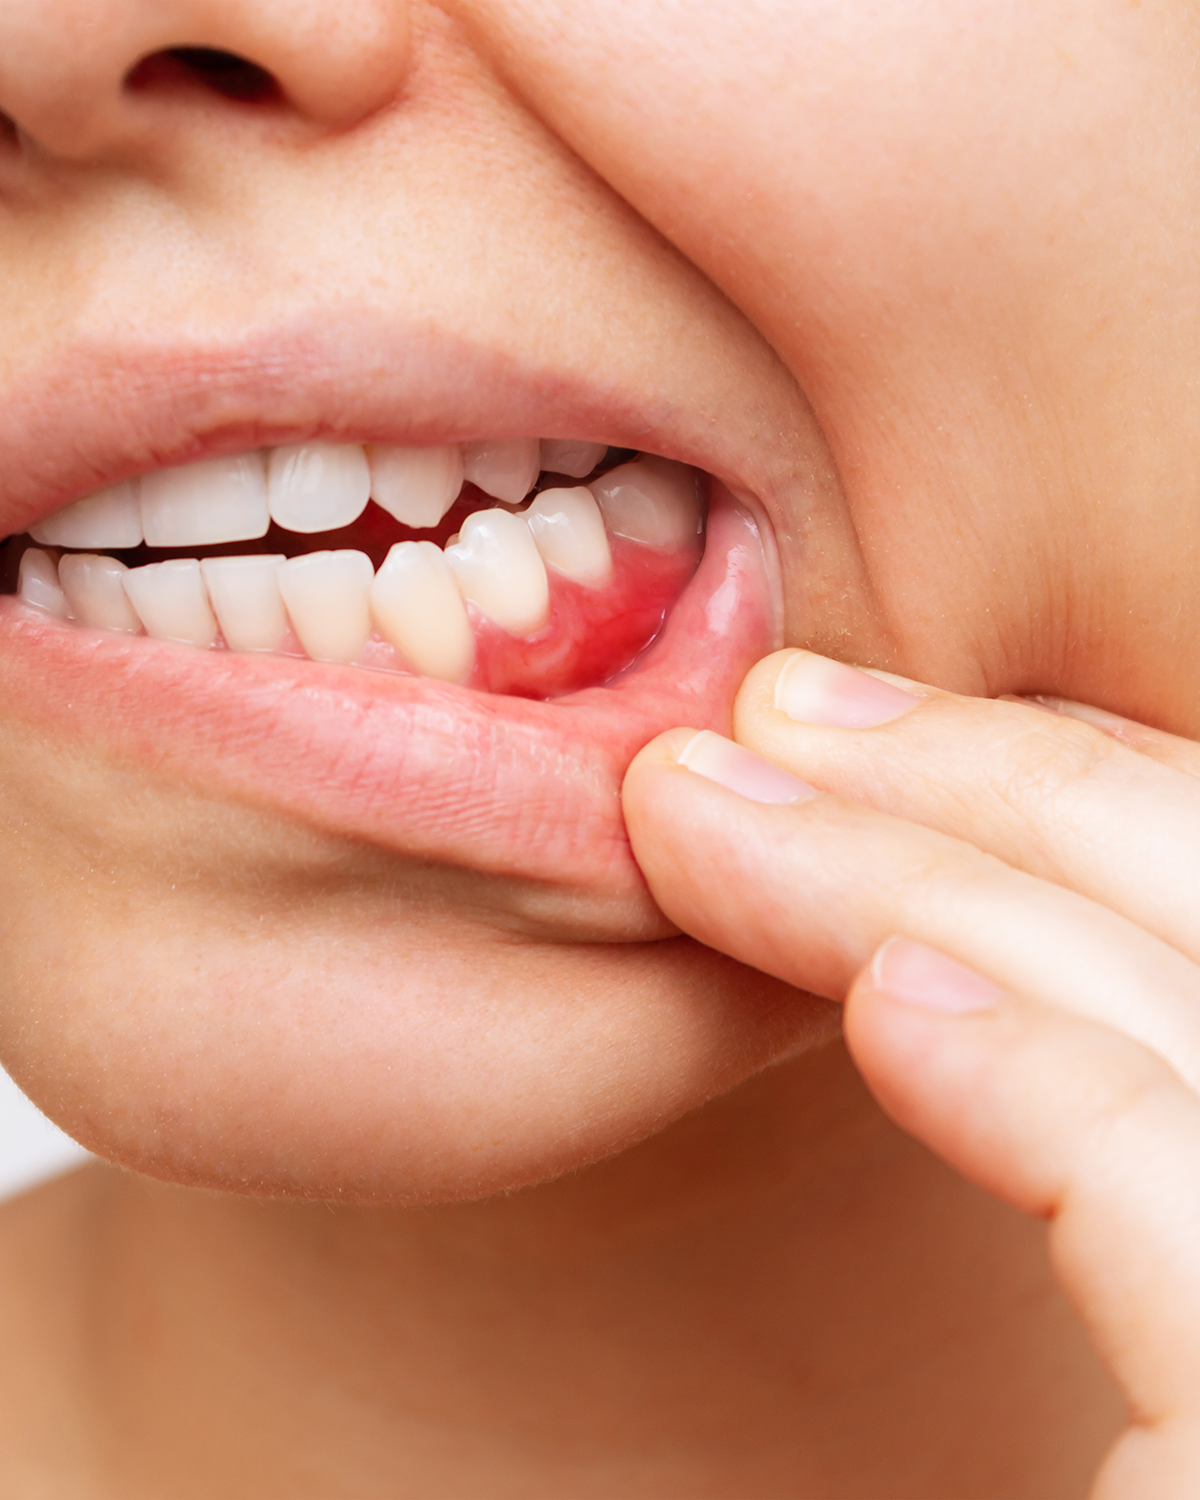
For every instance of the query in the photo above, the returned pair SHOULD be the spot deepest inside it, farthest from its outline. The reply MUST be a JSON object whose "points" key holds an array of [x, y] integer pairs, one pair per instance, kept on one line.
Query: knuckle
{"points": [[1041, 764]]}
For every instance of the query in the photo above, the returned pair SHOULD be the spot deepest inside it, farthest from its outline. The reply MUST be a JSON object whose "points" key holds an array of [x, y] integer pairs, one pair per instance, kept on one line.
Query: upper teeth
{"points": [[218, 500], [316, 486], [417, 486], [505, 468], [331, 600], [110, 518]]}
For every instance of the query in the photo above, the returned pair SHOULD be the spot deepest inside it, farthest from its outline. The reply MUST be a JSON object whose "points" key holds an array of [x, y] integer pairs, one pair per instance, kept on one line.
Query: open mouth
{"points": [[277, 614], [519, 567], [534, 613]]}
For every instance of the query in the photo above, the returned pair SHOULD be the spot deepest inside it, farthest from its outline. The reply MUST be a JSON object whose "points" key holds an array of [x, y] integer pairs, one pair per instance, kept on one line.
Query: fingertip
{"points": [[662, 752], [755, 699]]}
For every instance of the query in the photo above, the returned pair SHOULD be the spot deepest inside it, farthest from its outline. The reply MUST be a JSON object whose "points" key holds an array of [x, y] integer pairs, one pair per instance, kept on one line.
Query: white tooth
{"points": [[505, 468], [650, 500], [317, 486], [95, 591], [171, 602], [109, 519], [245, 596], [37, 584], [569, 531], [500, 569], [219, 500], [567, 456], [417, 486], [326, 594], [418, 609]]}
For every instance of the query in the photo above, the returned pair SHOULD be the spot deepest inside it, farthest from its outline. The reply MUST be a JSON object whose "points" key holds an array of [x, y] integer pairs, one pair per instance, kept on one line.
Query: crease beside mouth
{"points": [[516, 566]]}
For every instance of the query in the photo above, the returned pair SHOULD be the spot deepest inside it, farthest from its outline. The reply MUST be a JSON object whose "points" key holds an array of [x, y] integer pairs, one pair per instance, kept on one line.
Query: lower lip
{"points": [[502, 785]]}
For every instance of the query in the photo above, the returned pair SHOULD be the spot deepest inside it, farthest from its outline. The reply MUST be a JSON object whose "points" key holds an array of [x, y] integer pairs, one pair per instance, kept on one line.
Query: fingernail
{"points": [[718, 759], [921, 976], [816, 690]]}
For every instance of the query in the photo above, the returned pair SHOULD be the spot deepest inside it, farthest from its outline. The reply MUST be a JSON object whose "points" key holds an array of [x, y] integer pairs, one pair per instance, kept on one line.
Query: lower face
{"points": [[314, 880]]}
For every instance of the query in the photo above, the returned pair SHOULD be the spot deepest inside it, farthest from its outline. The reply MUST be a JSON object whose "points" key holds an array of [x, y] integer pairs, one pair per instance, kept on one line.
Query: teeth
{"points": [[326, 594], [500, 570], [317, 486], [96, 592], [171, 602], [416, 486], [110, 519], [506, 468], [245, 596], [419, 601], [566, 456], [569, 532], [37, 584], [219, 500], [652, 501], [418, 609]]}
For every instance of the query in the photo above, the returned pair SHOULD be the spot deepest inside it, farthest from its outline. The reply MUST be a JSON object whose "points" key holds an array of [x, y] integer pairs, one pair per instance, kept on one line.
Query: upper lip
{"points": [[91, 414]]}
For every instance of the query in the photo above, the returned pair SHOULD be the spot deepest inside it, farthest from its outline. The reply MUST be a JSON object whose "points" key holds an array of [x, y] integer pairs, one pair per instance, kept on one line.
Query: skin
{"points": [[1059, 1069], [951, 329]]}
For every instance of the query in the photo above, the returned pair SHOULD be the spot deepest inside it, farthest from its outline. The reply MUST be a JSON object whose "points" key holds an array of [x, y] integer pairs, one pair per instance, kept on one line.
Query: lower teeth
{"points": [[561, 594]]}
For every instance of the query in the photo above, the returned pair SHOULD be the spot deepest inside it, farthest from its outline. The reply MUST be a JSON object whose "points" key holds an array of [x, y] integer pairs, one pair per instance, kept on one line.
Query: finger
{"points": [[1074, 1122], [1168, 749], [1047, 793], [808, 891]]}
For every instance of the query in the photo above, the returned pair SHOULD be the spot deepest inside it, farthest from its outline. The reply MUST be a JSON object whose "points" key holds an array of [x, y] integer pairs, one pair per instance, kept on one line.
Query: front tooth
{"points": [[171, 602], [317, 486], [219, 500], [500, 569], [37, 584], [651, 500], [416, 486], [109, 519], [569, 531], [567, 456], [418, 609], [96, 592], [326, 594], [245, 595], [505, 468]]}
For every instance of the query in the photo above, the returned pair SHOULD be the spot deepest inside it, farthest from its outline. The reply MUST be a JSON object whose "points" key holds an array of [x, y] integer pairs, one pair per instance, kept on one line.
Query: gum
{"points": [[592, 635]]}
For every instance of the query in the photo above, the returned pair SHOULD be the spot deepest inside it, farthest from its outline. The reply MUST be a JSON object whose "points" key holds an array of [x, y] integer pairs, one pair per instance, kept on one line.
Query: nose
{"points": [[76, 76]]}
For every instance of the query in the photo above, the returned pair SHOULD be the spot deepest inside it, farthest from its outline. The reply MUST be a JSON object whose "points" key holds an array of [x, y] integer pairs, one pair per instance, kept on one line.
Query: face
{"points": [[335, 899]]}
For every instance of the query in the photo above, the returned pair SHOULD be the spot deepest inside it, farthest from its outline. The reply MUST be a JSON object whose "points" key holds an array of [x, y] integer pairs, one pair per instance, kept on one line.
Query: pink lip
{"points": [[494, 784], [97, 413], [497, 784]]}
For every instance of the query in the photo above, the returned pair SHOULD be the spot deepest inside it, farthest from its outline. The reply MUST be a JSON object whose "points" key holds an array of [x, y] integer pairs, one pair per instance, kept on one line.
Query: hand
{"points": [[1009, 901]]}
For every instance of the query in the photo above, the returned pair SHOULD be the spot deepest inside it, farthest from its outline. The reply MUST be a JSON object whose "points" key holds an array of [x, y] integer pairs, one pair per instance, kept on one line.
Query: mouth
{"points": [[451, 650], [516, 567]]}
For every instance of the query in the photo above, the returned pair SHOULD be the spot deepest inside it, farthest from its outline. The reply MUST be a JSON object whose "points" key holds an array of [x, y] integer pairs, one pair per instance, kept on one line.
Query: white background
{"points": [[30, 1147]]}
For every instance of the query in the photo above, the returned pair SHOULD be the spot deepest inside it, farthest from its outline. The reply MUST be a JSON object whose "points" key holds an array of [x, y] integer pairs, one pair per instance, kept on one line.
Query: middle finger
{"points": [[1047, 794]]}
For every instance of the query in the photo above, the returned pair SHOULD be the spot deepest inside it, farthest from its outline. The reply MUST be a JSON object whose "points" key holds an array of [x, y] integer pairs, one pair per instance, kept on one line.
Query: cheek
{"points": [[227, 1003]]}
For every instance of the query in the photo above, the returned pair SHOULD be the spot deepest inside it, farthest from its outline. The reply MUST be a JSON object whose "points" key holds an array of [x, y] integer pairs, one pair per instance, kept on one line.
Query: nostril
{"points": [[224, 72]]}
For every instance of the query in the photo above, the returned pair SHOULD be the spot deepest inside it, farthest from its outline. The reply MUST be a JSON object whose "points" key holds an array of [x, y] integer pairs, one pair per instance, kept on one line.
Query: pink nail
{"points": [[921, 976], [718, 759], [816, 690]]}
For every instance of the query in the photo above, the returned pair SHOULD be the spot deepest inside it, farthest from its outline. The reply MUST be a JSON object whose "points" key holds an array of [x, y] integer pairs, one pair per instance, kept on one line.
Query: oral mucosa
{"points": [[386, 557]]}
